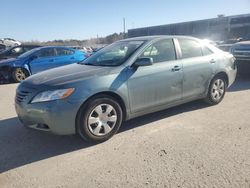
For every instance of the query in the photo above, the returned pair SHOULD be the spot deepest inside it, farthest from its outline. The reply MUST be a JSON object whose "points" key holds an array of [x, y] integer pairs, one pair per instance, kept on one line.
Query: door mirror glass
{"points": [[143, 61]]}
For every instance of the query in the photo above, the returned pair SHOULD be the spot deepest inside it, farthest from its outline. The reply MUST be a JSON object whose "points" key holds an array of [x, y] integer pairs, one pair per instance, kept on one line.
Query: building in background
{"points": [[220, 28]]}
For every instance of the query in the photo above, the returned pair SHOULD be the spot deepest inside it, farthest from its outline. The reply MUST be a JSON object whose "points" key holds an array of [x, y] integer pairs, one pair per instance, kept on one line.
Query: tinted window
{"points": [[63, 51], [206, 51], [46, 52], [190, 48], [161, 51]]}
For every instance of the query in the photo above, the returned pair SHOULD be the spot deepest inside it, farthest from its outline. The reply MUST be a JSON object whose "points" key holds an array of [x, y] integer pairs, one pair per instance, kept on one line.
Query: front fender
{"points": [[24, 66]]}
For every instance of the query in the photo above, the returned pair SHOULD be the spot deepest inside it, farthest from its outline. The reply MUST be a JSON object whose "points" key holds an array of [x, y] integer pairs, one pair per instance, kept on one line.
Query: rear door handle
{"points": [[176, 68], [212, 61], [51, 60]]}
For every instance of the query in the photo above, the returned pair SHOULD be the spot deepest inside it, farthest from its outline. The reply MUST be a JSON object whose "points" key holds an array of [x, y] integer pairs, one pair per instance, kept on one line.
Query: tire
{"points": [[99, 119], [216, 91], [19, 74]]}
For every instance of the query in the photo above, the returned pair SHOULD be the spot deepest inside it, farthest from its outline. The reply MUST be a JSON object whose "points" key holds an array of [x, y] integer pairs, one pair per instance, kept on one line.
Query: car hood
{"points": [[8, 61], [68, 74]]}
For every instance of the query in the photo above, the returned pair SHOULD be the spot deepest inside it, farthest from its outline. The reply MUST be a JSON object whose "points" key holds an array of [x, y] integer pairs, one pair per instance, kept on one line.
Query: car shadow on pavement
{"points": [[146, 119], [241, 83], [20, 146]]}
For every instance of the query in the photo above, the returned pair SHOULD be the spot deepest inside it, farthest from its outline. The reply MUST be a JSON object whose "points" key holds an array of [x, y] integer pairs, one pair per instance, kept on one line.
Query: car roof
{"points": [[47, 47], [153, 37], [28, 45]]}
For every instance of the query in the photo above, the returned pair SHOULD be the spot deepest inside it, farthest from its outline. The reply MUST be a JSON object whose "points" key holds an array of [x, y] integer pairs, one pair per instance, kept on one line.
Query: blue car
{"points": [[37, 60]]}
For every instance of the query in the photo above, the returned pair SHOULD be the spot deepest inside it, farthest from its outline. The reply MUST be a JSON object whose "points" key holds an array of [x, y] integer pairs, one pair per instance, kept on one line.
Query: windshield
{"points": [[114, 54], [28, 53]]}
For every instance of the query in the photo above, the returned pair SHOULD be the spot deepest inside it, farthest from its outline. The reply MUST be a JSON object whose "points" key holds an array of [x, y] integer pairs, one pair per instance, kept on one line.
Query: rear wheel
{"points": [[217, 90], [19, 74], [99, 119]]}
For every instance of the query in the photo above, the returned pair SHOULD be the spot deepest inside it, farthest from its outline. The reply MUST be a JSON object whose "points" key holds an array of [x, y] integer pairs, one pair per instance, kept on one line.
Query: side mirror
{"points": [[143, 61]]}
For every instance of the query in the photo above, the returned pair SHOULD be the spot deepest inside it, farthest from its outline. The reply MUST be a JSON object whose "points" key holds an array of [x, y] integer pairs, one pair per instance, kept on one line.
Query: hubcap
{"points": [[102, 119], [218, 89], [20, 75]]}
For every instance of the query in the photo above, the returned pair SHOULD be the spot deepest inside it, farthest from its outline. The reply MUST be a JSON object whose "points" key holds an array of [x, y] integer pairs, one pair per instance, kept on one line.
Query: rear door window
{"points": [[190, 48]]}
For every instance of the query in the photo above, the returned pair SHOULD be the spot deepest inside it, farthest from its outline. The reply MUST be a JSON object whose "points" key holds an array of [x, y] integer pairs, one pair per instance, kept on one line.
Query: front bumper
{"points": [[5, 73], [55, 116]]}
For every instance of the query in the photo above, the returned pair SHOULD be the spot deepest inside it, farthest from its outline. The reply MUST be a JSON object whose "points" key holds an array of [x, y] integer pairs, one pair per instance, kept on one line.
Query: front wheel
{"points": [[19, 74], [216, 91], [99, 119]]}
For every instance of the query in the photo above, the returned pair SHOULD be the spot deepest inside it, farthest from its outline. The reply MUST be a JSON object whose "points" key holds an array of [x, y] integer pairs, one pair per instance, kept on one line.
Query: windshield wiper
{"points": [[87, 64]]}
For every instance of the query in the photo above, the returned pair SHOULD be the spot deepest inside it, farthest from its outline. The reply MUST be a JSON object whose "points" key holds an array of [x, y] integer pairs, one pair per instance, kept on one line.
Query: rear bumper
{"points": [[57, 117]]}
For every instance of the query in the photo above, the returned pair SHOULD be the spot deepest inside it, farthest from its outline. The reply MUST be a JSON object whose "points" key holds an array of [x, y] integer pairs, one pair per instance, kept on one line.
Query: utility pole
{"points": [[124, 27]]}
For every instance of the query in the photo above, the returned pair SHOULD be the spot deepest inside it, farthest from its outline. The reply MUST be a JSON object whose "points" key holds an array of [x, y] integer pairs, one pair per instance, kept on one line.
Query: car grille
{"points": [[21, 96]]}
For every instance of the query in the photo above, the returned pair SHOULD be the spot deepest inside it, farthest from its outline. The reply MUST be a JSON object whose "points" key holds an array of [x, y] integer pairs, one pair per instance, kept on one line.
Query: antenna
{"points": [[124, 27]]}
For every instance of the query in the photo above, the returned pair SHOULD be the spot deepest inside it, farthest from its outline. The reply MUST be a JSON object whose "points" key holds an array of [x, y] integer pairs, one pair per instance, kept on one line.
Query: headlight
{"points": [[52, 95]]}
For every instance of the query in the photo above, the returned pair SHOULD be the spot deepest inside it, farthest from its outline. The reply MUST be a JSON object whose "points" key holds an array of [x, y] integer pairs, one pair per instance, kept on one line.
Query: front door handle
{"points": [[51, 60], [176, 68]]}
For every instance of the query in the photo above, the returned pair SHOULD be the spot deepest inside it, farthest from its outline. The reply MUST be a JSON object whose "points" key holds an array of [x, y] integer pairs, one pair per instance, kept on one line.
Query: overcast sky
{"points": [[78, 19]]}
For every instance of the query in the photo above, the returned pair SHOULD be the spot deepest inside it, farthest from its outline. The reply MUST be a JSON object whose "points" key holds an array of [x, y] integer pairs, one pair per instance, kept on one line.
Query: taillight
{"points": [[233, 61]]}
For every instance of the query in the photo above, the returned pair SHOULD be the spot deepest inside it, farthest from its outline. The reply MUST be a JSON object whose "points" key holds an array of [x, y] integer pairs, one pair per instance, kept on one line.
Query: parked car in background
{"points": [[210, 42], [8, 42], [16, 51], [245, 38], [124, 80], [83, 49], [37, 60], [225, 47], [2, 47], [96, 49], [88, 49], [241, 52], [80, 48]]}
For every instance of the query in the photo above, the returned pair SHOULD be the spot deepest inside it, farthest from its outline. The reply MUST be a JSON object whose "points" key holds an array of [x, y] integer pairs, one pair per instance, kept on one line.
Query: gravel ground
{"points": [[192, 145]]}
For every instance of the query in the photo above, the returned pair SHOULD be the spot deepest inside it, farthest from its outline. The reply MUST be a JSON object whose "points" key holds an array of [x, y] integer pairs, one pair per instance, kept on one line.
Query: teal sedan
{"points": [[124, 80]]}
